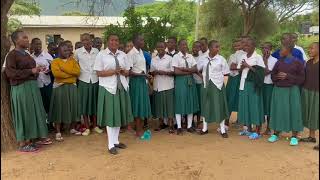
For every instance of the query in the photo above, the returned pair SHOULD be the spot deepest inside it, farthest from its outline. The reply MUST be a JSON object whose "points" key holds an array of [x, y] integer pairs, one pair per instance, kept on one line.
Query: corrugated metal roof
{"points": [[68, 21]]}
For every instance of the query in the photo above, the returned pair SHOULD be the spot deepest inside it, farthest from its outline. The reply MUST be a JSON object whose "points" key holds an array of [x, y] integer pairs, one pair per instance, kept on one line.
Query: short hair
{"points": [[62, 44], [285, 35], [35, 39], [252, 41], [67, 41], [196, 42], [109, 35], [173, 38], [181, 41], [135, 38], [78, 42], [97, 38], [85, 34], [268, 44], [14, 36], [51, 44], [161, 42], [212, 42], [204, 39]]}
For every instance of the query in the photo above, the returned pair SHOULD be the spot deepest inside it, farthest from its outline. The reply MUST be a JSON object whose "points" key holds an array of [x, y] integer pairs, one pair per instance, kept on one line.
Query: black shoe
{"points": [[309, 140], [316, 147], [175, 126], [179, 131], [224, 135], [191, 130], [203, 132], [113, 151], [120, 146]]}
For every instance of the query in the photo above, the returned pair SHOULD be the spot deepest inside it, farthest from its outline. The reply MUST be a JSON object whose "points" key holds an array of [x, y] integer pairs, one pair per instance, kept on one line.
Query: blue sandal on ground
{"points": [[146, 135], [254, 136], [273, 138], [294, 141]]}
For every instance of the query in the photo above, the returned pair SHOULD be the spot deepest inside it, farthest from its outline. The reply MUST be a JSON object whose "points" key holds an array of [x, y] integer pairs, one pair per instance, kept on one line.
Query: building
{"points": [[50, 28], [314, 30]]}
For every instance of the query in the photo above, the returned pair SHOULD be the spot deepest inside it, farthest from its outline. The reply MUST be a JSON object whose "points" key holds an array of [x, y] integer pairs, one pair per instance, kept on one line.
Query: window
{"points": [[52, 38]]}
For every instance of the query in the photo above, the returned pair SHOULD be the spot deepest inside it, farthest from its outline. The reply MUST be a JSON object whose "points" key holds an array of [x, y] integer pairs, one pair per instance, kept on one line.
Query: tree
{"points": [[7, 132]]}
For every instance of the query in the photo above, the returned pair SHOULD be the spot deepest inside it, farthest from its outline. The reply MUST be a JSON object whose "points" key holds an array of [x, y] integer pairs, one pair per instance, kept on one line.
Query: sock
{"points": [[116, 135], [178, 118], [205, 125], [190, 118], [110, 137], [165, 121], [222, 127]]}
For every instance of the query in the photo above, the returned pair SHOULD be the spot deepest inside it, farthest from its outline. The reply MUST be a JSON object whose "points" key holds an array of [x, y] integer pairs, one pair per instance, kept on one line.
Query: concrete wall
{"points": [[72, 33]]}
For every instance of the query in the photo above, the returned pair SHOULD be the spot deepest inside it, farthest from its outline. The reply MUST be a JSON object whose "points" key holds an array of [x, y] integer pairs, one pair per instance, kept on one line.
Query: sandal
{"points": [[59, 137], [254, 136], [28, 148], [171, 130], [46, 141]]}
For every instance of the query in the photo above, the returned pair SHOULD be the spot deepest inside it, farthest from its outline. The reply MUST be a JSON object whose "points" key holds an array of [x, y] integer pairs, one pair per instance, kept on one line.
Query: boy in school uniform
{"points": [[88, 84], [171, 46], [97, 43], [214, 107]]}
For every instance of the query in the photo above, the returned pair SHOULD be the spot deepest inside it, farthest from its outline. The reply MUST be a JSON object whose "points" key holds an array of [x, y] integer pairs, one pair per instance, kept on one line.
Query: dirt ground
{"points": [[187, 157]]}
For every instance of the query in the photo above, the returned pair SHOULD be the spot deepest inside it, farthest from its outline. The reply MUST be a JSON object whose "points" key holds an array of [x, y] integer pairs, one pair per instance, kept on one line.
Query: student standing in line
{"points": [[214, 105], [78, 45], [43, 59], [172, 46], [310, 95], [250, 110], [163, 86], [64, 107], [129, 46], [70, 46], [88, 84], [232, 88], [294, 37], [139, 92], [196, 47], [204, 46], [269, 62], [186, 98], [114, 106], [97, 43], [285, 114], [26, 105]]}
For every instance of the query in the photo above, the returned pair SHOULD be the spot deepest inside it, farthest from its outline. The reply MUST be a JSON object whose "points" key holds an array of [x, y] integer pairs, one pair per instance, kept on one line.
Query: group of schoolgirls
{"points": [[110, 88]]}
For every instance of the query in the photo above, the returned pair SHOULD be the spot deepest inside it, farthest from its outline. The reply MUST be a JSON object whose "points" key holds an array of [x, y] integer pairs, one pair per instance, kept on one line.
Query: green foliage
{"points": [[21, 7], [75, 13], [153, 29]]}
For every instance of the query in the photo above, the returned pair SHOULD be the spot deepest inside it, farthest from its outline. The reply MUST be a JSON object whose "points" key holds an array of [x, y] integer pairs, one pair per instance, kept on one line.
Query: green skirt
{"points": [[29, 116], [250, 106], [267, 94], [214, 103], [199, 90], [114, 110], [186, 97], [88, 97], [64, 107], [46, 93], [139, 95], [164, 104], [310, 109], [285, 112], [232, 91]]}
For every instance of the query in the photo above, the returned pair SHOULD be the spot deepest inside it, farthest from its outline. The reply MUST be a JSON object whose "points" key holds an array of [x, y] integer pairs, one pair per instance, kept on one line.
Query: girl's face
{"points": [[64, 52], [236, 46], [70, 46], [128, 47], [113, 43], [37, 46], [196, 48], [314, 50], [248, 47], [284, 52], [22, 40], [86, 41], [266, 50], [183, 46], [161, 48], [215, 48]]}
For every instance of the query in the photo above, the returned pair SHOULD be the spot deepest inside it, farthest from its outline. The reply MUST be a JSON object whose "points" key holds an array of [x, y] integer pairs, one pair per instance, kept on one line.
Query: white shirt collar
{"points": [[108, 51], [136, 50]]}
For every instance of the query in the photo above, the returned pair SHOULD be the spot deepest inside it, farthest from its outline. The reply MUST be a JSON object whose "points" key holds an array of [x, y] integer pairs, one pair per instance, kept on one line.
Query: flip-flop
{"points": [[254, 136]]}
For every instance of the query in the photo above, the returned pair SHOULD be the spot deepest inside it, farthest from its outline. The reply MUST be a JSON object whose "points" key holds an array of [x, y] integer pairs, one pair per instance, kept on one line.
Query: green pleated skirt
{"points": [[285, 112], [186, 97], [46, 93], [232, 91], [164, 104], [250, 110], [64, 106], [310, 109], [214, 103], [29, 116], [139, 95], [267, 94], [114, 110], [88, 98]]}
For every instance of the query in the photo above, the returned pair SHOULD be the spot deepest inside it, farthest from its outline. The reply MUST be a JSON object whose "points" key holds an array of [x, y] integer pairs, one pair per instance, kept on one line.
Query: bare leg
{"points": [[312, 133], [86, 121], [94, 121], [139, 126]]}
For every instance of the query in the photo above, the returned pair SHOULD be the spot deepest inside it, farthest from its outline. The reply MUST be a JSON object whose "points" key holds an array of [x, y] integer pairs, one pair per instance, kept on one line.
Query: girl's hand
{"points": [[282, 75], [245, 64], [36, 70]]}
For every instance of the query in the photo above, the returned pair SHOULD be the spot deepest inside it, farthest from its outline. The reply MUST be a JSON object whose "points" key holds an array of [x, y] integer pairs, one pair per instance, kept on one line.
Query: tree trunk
{"points": [[8, 140]]}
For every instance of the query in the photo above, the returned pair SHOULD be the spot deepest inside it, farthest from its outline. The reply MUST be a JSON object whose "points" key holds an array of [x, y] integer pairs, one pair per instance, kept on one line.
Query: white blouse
{"points": [[162, 82]]}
